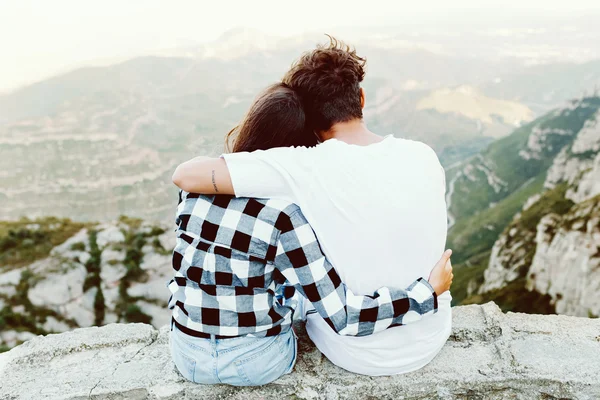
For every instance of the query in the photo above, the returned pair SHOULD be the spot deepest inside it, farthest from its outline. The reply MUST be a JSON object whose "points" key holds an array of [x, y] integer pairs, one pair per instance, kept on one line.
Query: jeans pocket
{"points": [[184, 363], [294, 347], [267, 364]]}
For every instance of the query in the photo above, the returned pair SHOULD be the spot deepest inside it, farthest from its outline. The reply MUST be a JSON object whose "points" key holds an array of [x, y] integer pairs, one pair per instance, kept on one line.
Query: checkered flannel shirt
{"points": [[239, 261]]}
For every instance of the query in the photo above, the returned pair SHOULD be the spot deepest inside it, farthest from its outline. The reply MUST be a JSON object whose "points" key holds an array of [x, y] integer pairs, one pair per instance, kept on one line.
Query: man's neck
{"points": [[352, 132]]}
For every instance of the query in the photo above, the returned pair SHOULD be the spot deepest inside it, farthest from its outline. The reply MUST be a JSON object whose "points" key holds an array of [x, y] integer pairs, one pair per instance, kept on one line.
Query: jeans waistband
{"points": [[202, 335]]}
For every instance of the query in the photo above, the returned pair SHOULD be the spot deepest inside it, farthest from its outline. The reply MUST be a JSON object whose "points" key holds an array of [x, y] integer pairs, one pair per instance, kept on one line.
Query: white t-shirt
{"points": [[379, 213]]}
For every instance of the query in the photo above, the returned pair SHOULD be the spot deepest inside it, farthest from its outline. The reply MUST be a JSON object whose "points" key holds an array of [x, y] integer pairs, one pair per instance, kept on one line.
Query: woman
{"points": [[238, 263]]}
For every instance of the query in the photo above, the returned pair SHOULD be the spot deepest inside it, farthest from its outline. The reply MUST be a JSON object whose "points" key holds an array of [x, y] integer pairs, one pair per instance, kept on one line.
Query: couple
{"points": [[306, 188]]}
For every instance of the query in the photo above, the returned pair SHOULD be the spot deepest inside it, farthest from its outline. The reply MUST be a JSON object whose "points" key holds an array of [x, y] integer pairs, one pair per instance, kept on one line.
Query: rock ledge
{"points": [[490, 355]]}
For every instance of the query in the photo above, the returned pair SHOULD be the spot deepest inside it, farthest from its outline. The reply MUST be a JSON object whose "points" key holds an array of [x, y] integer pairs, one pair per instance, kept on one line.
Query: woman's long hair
{"points": [[276, 118]]}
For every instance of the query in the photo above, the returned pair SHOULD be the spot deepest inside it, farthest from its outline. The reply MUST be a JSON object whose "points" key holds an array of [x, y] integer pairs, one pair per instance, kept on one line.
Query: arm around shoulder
{"points": [[204, 175]]}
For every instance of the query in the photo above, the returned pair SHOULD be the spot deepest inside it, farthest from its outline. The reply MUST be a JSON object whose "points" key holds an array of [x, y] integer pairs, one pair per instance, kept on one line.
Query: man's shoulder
{"points": [[417, 150], [415, 145]]}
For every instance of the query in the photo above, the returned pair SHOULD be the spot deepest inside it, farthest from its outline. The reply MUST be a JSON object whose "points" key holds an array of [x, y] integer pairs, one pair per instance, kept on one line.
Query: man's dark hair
{"points": [[328, 80]]}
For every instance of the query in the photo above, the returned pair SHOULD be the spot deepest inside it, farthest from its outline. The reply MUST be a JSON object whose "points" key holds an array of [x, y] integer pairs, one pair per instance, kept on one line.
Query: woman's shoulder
{"points": [[267, 210], [264, 215], [250, 204]]}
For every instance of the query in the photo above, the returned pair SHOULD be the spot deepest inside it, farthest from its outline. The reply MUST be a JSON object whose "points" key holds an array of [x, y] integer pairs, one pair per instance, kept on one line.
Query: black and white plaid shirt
{"points": [[239, 261]]}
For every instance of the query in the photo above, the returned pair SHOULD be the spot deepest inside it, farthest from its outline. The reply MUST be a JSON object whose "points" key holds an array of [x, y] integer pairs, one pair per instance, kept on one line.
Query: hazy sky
{"points": [[42, 38]]}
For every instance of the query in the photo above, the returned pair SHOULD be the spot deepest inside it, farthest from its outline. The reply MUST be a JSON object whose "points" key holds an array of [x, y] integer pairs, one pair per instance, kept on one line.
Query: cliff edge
{"points": [[490, 355]]}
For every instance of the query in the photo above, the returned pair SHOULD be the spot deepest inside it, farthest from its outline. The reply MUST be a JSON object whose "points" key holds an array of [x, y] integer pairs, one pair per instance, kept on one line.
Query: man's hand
{"points": [[441, 276]]}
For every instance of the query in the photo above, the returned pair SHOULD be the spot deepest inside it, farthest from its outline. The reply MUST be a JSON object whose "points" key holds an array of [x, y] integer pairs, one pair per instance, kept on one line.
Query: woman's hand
{"points": [[441, 276]]}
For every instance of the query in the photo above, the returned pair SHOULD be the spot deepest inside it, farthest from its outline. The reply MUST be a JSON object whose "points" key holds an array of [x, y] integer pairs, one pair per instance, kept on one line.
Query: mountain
{"points": [[526, 210], [98, 142], [56, 275]]}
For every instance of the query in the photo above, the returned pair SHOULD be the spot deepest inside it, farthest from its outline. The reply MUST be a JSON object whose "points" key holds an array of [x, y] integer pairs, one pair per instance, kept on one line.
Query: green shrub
{"points": [[79, 246], [467, 274], [158, 247], [134, 314], [91, 280], [133, 223], [156, 231], [516, 298], [21, 245], [552, 202], [25, 322], [134, 255], [99, 307], [22, 289]]}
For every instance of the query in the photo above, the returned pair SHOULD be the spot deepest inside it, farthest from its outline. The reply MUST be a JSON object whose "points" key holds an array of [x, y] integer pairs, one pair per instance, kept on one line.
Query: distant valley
{"points": [[99, 142]]}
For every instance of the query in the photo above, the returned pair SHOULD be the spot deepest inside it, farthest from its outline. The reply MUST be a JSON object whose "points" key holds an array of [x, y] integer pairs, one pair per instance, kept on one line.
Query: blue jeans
{"points": [[240, 361]]}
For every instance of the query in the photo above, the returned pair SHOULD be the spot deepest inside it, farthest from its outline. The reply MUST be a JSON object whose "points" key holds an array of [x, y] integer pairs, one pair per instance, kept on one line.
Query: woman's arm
{"points": [[272, 173], [303, 264], [204, 175]]}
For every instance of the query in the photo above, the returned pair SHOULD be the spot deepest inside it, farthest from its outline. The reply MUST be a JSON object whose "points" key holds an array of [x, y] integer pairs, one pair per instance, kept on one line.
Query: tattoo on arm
{"points": [[214, 182]]}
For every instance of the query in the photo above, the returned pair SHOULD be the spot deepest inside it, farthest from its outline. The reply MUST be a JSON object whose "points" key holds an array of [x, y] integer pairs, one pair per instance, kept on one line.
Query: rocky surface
{"points": [[105, 273], [506, 260], [566, 264], [579, 164], [490, 355], [560, 254]]}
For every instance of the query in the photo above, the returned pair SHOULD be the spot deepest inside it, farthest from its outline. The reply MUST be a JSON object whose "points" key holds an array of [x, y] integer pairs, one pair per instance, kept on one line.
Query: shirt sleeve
{"points": [[268, 173], [301, 261]]}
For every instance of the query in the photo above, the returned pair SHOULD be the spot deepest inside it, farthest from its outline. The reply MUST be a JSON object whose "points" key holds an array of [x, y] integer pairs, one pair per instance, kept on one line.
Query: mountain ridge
{"points": [[552, 181]]}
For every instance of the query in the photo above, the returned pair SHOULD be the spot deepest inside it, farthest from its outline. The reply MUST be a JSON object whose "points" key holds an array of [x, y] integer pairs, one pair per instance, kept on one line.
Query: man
{"points": [[376, 204]]}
